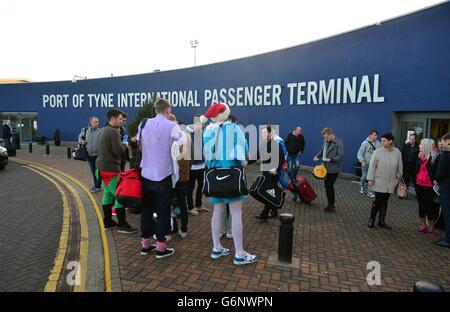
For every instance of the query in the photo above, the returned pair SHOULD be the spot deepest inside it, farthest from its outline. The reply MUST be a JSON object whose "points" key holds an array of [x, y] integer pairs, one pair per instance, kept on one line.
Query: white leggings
{"points": [[236, 226]]}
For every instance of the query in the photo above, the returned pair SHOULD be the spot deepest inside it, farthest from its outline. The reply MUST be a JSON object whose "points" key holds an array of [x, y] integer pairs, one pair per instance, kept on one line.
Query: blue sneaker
{"points": [[217, 254], [248, 258]]}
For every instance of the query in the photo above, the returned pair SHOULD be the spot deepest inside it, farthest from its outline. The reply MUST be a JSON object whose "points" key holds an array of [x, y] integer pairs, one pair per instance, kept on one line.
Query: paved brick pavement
{"points": [[30, 222], [333, 249]]}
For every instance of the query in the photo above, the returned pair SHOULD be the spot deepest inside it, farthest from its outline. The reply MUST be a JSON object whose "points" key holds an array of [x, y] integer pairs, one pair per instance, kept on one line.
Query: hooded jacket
{"points": [[366, 150], [231, 152]]}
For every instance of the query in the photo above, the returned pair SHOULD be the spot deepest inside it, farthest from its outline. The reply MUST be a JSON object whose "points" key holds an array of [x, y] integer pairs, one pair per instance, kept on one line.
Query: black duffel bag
{"points": [[225, 182], [79, 152], [265, 189]]}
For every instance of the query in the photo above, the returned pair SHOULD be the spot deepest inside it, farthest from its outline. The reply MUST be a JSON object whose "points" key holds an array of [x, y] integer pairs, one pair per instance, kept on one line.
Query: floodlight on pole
{"points": [[74, 79]]}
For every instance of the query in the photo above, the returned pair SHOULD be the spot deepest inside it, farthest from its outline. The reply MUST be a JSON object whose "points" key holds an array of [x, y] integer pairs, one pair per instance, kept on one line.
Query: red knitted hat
{"points": [[215, 110]]}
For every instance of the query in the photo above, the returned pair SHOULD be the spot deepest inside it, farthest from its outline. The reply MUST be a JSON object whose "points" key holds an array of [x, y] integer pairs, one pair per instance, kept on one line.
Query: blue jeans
{"points": [[293, 164], [362, 182], [282, 179], [444, 192], [157, 196]]}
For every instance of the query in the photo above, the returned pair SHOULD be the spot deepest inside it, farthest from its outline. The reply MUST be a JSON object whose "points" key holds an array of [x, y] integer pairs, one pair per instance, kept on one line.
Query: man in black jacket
{"points": [[442, 178], [271, 166], [295, 145], [410, 152], [7, 134]]}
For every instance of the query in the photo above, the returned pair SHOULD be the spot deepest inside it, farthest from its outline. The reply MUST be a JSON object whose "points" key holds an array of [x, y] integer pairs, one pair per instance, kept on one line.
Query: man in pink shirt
{"points": [[156, 138]]}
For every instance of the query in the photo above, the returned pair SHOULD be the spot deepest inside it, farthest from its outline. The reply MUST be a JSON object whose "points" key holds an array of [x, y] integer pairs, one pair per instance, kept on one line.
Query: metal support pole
{"points": [[30, 147], [285, 238], [195, 56]]}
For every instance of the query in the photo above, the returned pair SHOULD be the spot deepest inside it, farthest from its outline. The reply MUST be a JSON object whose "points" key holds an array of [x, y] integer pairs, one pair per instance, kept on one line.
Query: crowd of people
{"points": [[426, 165], [176, 157]]}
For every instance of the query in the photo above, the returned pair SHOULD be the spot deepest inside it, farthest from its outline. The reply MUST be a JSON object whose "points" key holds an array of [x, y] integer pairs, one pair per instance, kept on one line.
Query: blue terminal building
{"points": [[393, 76]]}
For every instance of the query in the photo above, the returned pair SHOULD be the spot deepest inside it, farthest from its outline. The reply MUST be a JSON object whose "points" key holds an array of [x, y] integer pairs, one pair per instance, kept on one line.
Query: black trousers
{"points": [[157, 196], [381, 201], [91, 161], [425, 198], [180, 193], [408, 173], [195, 176], [329, 187]]}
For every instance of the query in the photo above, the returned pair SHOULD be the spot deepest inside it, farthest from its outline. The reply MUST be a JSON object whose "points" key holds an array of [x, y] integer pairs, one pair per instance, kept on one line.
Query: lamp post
{"points": [[194, 44]]}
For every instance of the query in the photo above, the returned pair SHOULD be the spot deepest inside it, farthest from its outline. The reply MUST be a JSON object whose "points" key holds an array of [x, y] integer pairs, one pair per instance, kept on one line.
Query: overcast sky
{"points": [[49, 40]]}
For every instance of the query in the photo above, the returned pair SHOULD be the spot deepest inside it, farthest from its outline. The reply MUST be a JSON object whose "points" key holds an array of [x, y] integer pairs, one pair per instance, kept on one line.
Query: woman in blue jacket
{"points": [[231, 152]]}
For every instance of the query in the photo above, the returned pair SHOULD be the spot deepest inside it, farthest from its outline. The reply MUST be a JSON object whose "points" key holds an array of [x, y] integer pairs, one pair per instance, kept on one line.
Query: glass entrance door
{"points": [[439, 127], [24, 123], [407, 127], [25, 128], [424, 124]]}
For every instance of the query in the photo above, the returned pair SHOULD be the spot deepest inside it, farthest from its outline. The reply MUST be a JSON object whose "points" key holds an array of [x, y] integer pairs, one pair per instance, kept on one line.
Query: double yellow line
{"points": [[84, 242]]}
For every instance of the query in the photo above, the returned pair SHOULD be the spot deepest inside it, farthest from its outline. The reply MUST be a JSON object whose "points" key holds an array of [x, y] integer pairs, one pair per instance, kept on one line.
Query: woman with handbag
{"points": [[385, 173], [225, 151], [424, 173]]}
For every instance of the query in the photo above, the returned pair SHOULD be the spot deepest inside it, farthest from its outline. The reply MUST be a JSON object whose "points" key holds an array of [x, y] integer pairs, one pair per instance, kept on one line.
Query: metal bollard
{"points": [[69, 153], [47, 149], [30, 147], [427, 286], [285, 238]]}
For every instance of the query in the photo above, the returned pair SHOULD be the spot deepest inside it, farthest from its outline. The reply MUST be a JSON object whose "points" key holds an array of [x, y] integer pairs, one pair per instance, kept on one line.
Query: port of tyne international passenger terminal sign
{"points": [[348, 90]]}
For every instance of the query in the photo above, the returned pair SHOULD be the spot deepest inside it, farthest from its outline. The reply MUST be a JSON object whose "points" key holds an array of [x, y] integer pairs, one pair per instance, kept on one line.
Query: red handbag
{"points": [[129, 188]]}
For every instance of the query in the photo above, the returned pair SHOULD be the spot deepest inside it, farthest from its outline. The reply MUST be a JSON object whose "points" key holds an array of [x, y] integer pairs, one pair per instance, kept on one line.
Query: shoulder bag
{"points": [[224, 182], [402, 189], [79, 152]]}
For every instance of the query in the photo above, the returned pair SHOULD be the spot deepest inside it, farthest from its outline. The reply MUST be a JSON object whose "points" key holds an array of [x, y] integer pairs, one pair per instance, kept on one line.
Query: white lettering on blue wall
{"points": [[336, 91], [354, 90]]}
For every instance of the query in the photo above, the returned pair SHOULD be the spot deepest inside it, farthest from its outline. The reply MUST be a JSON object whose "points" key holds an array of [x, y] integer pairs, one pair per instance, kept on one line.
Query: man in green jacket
{"points": [[110, 149]]}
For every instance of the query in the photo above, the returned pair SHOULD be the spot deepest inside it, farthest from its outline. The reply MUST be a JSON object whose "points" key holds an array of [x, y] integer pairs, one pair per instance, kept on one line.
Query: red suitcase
{"points": [[304, 190]]}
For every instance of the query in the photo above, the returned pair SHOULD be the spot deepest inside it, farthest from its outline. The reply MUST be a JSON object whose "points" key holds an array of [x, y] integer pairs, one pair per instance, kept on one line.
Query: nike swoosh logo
{"points": [[221, 178]]}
